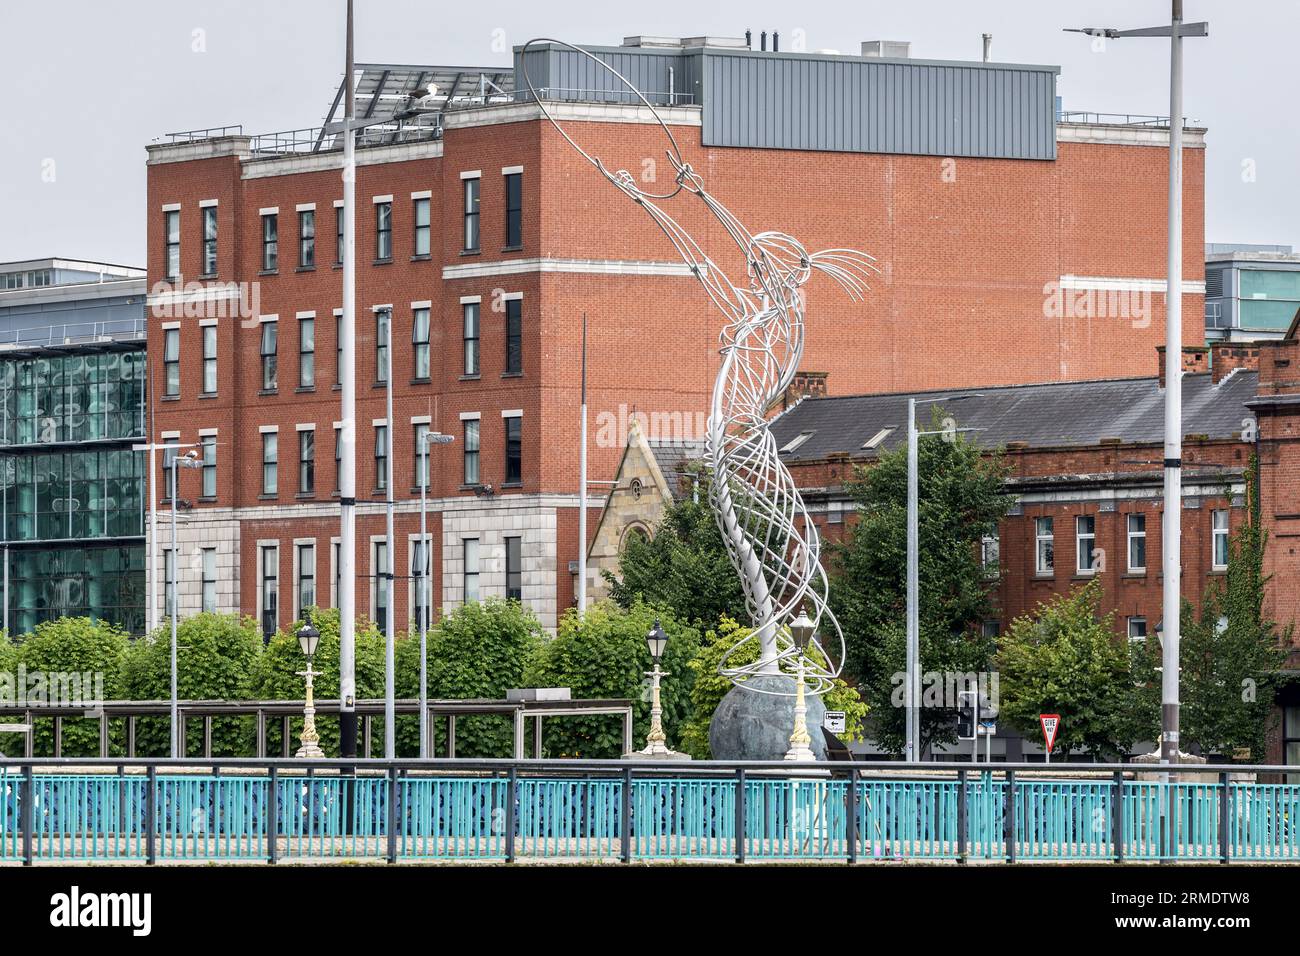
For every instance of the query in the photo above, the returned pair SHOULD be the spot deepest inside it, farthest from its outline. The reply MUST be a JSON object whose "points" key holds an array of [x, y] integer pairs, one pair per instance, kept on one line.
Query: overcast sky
{"points": [[88, 83]]}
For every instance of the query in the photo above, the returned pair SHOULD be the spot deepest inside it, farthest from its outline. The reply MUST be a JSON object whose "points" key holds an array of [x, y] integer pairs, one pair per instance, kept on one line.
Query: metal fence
{"points": [[154, 811]]}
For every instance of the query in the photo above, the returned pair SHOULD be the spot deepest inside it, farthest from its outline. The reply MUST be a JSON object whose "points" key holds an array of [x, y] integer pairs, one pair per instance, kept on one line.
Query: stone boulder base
{"points": [[750, 725]]}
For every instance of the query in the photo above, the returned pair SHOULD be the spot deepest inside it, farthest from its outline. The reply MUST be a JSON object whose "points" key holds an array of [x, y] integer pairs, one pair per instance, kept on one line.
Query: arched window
{"points": [[636, 528]]}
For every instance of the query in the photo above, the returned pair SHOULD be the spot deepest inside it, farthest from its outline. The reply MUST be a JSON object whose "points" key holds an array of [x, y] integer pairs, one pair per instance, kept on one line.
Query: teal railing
{"points": [[604, 810]]}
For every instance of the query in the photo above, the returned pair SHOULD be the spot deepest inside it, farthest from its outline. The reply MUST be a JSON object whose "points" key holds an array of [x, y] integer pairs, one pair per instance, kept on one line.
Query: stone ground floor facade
{"points": [[271, 562]]}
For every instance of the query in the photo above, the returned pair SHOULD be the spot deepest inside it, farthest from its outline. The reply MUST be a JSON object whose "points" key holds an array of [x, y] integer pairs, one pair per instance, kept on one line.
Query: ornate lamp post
{"points": [[308, 638], [656, 743], [801, 630]]}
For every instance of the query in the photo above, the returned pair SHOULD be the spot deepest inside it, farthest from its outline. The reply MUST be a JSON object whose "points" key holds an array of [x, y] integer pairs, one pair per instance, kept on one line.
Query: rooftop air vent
{"points": [[891, 49]]}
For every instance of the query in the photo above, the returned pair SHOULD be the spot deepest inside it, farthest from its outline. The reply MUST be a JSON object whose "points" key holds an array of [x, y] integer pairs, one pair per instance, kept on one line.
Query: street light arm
{"points": [[1198, 29], [1107, 32]]}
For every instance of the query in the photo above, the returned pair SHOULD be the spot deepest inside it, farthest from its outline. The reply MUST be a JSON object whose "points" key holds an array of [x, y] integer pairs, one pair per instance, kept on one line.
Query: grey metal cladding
{"points": [[860, 104], [819, 102], [568, 75]]}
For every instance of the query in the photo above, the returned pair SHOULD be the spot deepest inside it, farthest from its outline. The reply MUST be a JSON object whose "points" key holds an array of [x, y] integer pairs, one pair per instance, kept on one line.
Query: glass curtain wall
{"points": [[69, 496]]}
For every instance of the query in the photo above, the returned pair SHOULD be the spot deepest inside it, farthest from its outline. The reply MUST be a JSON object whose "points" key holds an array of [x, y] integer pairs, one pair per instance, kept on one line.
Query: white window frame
{"points": [[204, 581], [265, 430], [1080, 536], [209, 361], [1217, 534], [298, 545], [171, 359], [375, 583], [991, 544], [264, 545], [335, 547], [465, 572], [1132, 536], [299, 429], [1041, 538], [208, 439], [505, 564], [413, 542]]}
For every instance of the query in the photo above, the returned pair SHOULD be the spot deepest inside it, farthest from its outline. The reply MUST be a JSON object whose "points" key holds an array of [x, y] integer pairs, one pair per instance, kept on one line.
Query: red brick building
{"points": [[1086, 480], [1011, 252]]}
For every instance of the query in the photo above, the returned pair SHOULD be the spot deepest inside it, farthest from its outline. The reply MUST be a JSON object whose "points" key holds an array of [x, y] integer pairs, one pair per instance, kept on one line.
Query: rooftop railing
{"points": [[73, 333], [624, 97], [1113, 119], [316, 139], [197, 135]]}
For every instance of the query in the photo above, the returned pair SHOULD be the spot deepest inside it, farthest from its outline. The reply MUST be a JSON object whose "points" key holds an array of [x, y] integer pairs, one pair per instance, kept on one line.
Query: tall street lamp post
{"points": [[1171, 556], [422, 582], [390, 623], [308, 637], [347, 414], [187, 460], [801, 631]]}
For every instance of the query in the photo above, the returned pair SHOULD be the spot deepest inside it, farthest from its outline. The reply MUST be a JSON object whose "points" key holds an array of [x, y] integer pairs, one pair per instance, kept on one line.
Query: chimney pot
{"points": [[1227, 357], [1196, 359]]}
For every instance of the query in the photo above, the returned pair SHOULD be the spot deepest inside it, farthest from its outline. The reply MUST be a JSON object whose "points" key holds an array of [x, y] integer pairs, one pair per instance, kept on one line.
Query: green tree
{"points": [[1067, 659], [216, 657], [10, 744], [709, 687], [1231, 657], [685, 566], [480, 650], [960, 502], [72, 653], [1231, 654], [276, 676], [603, 655]]}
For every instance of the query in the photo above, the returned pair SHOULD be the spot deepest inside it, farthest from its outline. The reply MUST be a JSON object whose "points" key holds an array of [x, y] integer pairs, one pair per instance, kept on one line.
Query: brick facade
{"points": [[969, 251]]}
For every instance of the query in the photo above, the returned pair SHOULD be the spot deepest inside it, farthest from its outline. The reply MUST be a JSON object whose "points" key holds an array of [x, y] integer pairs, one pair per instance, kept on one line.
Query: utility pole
{"points": [[582, 479], [187, 460], [1172, 543], [912, 695], [422, 582], [390, 615], [425, 585], [1171, 525], [348, 434]]}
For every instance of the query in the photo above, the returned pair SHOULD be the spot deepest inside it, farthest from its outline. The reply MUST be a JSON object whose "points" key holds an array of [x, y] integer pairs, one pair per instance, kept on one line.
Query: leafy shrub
{"points": [[276, 677], [215, 659], [604, 655], [75, 646], [480, 650]]}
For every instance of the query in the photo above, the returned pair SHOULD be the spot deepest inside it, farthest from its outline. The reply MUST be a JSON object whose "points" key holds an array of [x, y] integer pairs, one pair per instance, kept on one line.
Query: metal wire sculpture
{"points": [[770, 538]]}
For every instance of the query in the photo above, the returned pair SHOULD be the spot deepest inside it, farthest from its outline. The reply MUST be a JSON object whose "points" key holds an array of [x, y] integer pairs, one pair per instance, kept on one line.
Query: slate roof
{"points": [[1056, 414], [672, 457]]}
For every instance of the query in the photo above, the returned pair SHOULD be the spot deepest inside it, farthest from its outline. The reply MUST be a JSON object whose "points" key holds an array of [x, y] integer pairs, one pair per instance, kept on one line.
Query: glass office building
{"points": [[72, 403], [1252, 292]]}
